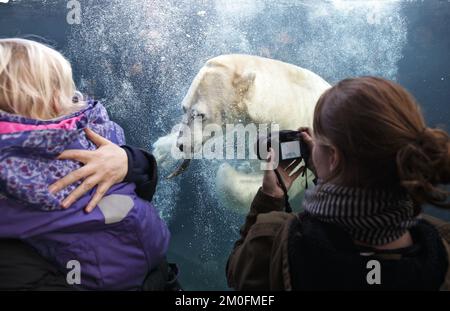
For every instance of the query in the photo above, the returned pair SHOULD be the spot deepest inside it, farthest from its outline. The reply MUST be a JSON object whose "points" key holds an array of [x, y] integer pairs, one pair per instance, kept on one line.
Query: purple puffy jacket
{"points": [[116, 245]]}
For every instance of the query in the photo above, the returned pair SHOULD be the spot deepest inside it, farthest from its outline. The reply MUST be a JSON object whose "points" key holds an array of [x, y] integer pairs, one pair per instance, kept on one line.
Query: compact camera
{"points": [[289, 143]]}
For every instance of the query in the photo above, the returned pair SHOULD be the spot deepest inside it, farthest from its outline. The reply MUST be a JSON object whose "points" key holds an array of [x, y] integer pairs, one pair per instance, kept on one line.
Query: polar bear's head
{"points": [[216, 96]]}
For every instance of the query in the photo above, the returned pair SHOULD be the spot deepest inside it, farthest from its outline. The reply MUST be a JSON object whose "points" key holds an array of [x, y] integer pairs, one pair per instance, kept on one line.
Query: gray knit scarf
{"points": [[370, 216]]}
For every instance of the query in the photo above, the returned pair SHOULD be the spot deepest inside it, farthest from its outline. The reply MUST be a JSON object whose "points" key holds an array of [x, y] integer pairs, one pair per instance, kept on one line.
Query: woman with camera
{"points": [[362, 227]]}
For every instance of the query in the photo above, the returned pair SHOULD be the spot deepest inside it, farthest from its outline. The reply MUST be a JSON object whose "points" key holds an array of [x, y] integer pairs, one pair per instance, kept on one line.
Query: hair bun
{"points": [[424, 164]]}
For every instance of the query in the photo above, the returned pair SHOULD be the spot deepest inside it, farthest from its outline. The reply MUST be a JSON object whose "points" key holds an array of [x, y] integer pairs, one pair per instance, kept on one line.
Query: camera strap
{"points": [[283, 187]]}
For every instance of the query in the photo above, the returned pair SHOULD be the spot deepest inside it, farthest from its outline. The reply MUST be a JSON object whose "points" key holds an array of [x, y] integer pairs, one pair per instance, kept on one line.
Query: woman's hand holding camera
{"points": [[287, 171], [307, 138]]}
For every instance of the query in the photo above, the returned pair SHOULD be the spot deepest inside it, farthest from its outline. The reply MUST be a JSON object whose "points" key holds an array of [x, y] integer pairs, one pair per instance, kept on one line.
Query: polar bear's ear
{"points": [[243, 82]]}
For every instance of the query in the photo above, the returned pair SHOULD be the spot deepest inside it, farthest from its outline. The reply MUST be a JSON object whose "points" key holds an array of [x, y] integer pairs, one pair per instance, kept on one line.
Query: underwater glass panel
{"points": [[139, 58]]}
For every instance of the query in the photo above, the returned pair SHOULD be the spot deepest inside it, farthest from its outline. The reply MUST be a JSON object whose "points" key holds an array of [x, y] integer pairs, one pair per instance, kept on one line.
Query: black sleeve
{"points": [[143, 171]]}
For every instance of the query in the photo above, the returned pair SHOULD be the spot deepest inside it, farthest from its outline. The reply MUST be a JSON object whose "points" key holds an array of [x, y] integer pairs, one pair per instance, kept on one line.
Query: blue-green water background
{"points": [[140, 56]]}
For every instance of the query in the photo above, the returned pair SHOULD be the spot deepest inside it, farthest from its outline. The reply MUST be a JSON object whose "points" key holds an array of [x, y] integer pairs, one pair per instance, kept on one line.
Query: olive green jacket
{"points": [[259, 260]]}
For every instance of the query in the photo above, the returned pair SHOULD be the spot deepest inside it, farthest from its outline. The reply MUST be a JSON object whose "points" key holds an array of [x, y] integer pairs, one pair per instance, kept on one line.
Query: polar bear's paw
{"points": [[162, 150], [236, 188]]}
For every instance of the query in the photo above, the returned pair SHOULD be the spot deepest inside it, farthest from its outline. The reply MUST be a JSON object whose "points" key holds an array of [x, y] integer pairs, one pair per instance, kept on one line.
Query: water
{"points": [[140, 56]]}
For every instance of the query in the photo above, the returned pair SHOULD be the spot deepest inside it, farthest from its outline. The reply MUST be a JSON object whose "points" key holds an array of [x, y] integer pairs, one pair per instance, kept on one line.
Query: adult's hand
{"points": [[104, 167], [307, 138], [271, 186]]}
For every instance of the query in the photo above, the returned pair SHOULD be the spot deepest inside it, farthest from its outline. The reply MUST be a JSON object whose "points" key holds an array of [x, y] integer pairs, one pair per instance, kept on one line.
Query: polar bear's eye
{"points": [[195, 114], [184, 109]]}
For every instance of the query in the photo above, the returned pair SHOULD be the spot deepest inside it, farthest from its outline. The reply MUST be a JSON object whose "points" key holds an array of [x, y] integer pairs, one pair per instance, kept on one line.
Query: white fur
{"points": [[250, 89]]}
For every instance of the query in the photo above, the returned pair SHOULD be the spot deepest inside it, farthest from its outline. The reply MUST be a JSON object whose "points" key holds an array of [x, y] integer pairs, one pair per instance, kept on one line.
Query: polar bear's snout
{"points": [[189, 138], [180, 146], [193, 121]]}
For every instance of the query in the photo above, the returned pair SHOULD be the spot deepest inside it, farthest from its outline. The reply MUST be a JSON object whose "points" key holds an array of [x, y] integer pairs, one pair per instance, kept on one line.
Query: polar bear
{"points": [[232, 89]]}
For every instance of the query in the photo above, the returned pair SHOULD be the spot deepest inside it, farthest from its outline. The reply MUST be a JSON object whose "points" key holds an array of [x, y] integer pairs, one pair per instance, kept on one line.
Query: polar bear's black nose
{"points": [[181, 147]]}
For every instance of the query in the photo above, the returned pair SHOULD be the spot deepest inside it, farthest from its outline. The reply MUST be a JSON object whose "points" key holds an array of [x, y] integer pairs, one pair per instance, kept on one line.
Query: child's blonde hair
{"points": [[35, 80]]}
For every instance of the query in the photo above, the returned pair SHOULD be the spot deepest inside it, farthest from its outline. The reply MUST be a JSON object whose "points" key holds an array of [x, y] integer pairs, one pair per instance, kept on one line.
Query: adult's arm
{"points": [[142, 170], [257, 259]]}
